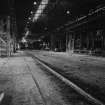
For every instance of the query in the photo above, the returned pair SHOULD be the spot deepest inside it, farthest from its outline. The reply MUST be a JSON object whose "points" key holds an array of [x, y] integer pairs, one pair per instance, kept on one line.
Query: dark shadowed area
{"points": [[56, 13]]}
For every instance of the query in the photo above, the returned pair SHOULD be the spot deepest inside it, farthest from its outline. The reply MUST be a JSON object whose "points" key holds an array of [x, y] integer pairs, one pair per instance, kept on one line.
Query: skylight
{"points": [[40, 9]]}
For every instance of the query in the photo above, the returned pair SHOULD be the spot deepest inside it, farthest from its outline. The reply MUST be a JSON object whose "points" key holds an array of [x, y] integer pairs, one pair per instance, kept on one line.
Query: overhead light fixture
{"points": [[29, 18], [68, 12], [35, 2], [31, 12]]}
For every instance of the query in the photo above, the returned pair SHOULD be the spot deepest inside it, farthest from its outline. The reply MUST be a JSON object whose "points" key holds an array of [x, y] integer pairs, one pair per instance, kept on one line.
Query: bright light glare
{"points": [[27, 33], [40, 9], [68, 12], [31, 12], [35, 3], [24, 40]]}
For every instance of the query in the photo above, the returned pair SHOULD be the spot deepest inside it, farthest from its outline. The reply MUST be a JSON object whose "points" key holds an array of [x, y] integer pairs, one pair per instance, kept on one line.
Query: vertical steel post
{"points": [[8, 37]]}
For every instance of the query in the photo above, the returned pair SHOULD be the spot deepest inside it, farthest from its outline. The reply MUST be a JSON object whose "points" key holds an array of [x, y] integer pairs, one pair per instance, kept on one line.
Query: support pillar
{"points": [[69, 42], [52, 42], [80, 40], [87, 42], [92, 40]]}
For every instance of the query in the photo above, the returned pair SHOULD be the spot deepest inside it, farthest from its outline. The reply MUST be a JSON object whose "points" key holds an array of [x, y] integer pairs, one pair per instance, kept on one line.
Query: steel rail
{"points": [[37, 85], [79, 90]]}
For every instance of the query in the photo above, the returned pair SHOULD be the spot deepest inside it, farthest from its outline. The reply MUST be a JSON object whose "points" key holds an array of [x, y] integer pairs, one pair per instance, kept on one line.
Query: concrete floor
{"points": [[86, 71], [24, 82]]}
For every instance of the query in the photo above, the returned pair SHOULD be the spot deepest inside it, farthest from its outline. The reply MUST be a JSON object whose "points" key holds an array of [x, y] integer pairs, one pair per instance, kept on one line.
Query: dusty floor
{"points": [[88, 72], [24, 82], [17, 83]]}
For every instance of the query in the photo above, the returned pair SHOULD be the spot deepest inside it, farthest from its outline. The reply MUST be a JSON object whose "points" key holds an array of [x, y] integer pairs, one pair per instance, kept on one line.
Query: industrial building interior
{"points": [[58, 25], [52, 52]]}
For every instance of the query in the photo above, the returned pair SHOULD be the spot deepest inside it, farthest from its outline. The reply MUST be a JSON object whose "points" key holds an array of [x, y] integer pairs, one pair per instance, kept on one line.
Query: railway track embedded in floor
{"points": [[75, 87]]}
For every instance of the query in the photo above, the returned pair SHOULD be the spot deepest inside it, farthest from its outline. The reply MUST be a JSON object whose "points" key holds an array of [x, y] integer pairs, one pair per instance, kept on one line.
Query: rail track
{"points": [[75, 87], [38, 87]]}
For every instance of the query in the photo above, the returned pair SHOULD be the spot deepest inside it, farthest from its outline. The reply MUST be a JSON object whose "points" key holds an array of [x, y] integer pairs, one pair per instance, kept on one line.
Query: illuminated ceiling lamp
{"points": [[29, 18], [35, 2], [31, 12], [68, 12]]}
